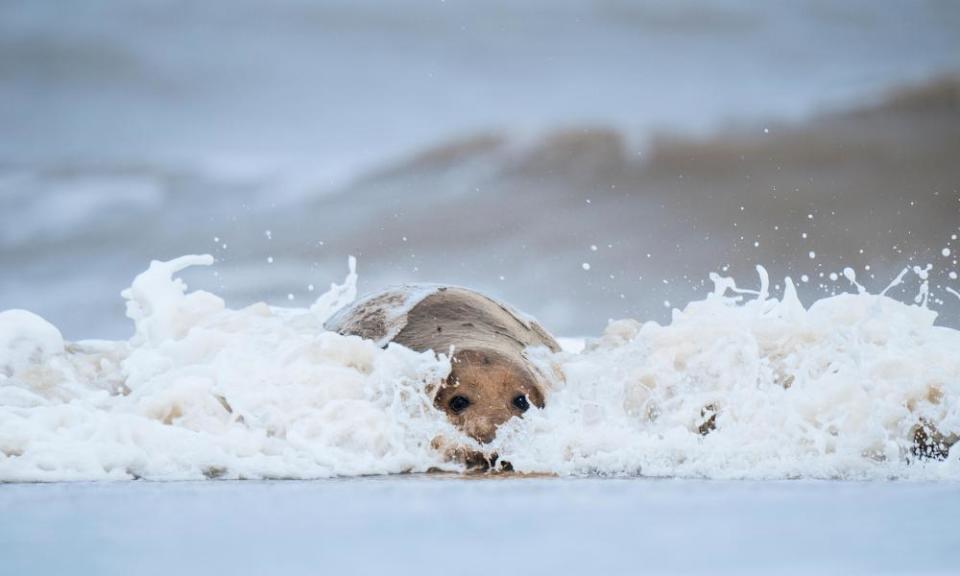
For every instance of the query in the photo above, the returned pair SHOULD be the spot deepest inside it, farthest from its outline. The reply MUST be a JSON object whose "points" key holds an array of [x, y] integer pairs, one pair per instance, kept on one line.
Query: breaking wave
{"points": [[741, 384]]}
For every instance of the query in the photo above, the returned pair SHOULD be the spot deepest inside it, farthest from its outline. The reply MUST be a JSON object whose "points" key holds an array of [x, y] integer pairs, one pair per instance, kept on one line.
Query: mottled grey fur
{"points": [[438, 317]]}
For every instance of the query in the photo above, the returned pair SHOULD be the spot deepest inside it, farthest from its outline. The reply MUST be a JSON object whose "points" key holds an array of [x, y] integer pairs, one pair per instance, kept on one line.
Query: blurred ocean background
{"points": [[583, 160]]}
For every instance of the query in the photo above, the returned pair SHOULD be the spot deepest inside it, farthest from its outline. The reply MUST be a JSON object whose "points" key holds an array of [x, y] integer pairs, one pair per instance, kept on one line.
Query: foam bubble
{"points": [[26, 339]]}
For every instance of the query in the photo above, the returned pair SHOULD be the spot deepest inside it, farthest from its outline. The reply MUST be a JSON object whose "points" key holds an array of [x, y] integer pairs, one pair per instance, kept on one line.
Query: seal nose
{"points": [[482, 430], [486, 437]]}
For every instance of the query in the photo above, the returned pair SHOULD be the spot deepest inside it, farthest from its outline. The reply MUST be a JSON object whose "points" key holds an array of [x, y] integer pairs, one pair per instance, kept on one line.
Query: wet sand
{"points": [[425, 525]]}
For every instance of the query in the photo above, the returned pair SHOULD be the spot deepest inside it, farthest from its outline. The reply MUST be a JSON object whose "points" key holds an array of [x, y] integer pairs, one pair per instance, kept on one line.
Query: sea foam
{"points": [[741, 384]]}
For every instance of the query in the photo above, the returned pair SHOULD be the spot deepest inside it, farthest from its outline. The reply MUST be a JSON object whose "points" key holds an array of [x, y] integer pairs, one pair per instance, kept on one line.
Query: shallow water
{"points": [[430, 525]]}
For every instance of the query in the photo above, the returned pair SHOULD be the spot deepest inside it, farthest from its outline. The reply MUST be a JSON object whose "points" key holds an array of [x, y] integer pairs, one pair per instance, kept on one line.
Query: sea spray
{"points": [[738, 385], [203, 391], [762, 388]]}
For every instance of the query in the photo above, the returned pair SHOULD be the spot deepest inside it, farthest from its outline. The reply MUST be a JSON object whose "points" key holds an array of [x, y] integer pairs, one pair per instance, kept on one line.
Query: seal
{"points": [[491, 378]]}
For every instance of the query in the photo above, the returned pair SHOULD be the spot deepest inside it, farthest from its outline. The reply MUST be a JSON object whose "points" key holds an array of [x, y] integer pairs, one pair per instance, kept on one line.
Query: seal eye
{"points": [[458, 404], [521, 403]]}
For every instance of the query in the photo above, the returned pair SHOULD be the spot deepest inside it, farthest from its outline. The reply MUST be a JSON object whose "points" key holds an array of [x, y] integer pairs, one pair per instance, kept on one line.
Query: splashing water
{"points": [[761, 388], [738, 385], [205, 391]]}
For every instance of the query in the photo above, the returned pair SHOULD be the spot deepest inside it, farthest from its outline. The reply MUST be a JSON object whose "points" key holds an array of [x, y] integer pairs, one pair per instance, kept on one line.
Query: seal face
{"points": [[485, 389], [491, 380]]}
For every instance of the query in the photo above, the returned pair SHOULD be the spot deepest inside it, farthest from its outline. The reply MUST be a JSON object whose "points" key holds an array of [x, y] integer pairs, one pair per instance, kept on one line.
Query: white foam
{"points": [[833, 391], [202, 390], [26, 339]]}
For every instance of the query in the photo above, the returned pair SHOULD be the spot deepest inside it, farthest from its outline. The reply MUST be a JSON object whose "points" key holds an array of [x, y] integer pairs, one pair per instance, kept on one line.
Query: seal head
{"points": [[491, 379]]}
